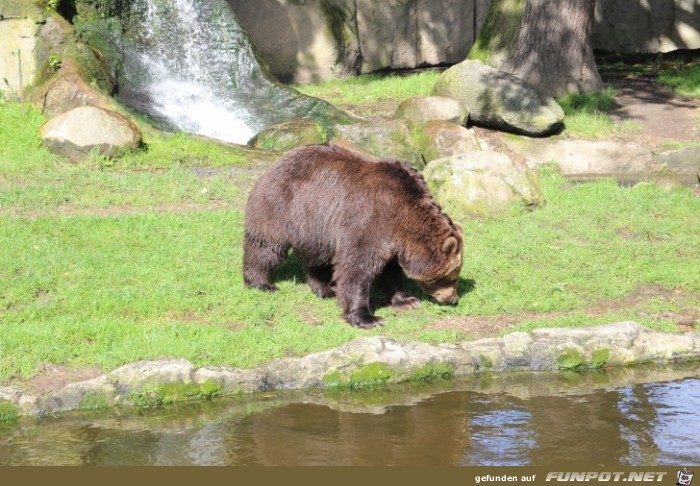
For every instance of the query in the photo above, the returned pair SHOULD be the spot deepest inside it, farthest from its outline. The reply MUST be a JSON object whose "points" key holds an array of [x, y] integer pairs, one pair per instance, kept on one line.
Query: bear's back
{"points": [[322, 195]]}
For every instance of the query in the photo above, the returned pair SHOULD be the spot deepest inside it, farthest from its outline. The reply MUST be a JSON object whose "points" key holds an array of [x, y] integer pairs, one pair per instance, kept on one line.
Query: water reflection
{"points": [[533, 420]]}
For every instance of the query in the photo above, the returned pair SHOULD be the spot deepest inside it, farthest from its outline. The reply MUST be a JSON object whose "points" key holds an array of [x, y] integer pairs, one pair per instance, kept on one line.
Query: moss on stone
{"points": [[570, 359], [599, 358], [155, 396], [373, 374], [335, 379], [8, 411], [433, 371], [289, 134], [338, 20], [93, 401], [485, 361], [499, 32], [370, 375]]}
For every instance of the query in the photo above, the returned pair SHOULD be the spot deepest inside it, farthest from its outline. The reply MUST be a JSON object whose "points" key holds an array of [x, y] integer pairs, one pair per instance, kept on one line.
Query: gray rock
{"points": [[439, 139], [392, 361], [147, 373], [499, 100], [232, 380], [85, 130], [422, 109], [582, 159], [390, 139], [481, 184], [516, 350], [72, 395], [679, 165]]}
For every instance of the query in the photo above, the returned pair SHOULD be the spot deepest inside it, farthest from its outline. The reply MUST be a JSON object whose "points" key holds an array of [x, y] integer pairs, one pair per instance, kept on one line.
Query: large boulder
{"points": [[87, 130], [421, 109], [500, 100], [481, 184]]}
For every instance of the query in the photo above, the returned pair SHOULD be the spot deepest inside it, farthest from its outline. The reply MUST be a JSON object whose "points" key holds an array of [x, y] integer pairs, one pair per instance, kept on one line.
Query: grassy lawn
{"points": [[105, 262]]}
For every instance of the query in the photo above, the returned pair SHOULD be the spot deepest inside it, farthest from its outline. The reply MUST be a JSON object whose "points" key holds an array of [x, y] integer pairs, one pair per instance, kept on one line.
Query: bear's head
{"points": [[436, 266]]}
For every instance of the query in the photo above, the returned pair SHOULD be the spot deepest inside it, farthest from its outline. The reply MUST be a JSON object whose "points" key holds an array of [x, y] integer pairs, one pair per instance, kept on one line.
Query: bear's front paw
{"points": [[405, 302], [267, 288], [364, 320]]}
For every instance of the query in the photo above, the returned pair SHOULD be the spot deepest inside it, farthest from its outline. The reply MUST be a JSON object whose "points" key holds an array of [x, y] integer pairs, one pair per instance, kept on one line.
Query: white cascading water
{"points": [[179, 68]]}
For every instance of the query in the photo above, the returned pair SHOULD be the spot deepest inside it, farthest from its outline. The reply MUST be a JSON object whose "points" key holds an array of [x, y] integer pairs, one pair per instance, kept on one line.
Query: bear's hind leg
{"points": [[320, 279], [260, 258]]}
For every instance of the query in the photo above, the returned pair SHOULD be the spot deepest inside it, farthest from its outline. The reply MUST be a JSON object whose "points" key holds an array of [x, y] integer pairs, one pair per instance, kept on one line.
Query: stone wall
{"points": [[20, 22], [646, 26], [311, 40], [307, 41]]}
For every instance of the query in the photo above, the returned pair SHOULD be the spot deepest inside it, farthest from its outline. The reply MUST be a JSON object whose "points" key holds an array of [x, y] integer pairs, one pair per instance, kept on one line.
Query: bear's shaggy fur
{"points": [[353, 222]]}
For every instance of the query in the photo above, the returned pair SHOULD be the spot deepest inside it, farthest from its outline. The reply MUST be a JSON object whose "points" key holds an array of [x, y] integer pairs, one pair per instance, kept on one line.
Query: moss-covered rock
{"points": [[157, 395], [481, 184], [499, 100], [8, 411], [289, 134]]}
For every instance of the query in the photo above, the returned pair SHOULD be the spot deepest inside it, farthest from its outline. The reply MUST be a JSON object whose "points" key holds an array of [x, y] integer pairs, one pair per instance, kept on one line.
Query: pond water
{"points": [[645, 416]]}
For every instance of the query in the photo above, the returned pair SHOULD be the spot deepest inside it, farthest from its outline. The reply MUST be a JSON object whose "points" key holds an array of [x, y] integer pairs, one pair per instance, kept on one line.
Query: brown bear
{"points": [[353, 222]]}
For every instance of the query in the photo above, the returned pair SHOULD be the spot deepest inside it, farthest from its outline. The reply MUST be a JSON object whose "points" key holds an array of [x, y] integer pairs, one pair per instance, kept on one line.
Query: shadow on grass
{"points": [[292, 270]]}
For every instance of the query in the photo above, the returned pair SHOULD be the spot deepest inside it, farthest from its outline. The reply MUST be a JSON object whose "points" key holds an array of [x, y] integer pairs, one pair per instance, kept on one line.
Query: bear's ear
{"points": [[450, 246]]}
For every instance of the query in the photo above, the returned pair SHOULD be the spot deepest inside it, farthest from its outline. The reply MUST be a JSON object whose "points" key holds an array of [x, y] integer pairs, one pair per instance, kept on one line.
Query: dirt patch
{"points": [[686, 316], [661, 115]]}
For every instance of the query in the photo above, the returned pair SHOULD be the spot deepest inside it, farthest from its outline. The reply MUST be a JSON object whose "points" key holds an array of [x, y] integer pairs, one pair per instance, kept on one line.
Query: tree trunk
{"points": [[543, 42]]}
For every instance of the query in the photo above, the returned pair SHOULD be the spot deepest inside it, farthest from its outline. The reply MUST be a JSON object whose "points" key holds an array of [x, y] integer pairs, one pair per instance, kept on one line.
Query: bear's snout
{"points": [[443, 295], [448, 298]]}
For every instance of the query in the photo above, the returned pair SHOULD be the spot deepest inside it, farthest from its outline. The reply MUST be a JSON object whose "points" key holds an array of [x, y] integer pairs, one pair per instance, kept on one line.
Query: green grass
{"points": [[587, 114], [372, 94], [683, 80], [83, 285], [95, 291], [163, 173]]}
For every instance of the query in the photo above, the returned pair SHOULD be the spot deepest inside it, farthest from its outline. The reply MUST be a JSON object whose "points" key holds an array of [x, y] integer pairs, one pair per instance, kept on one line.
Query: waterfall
{"points": [[187, 64]]}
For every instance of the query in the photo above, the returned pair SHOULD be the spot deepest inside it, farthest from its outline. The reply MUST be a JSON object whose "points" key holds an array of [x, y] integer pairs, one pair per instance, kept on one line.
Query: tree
{"points": [[546, 43]]}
